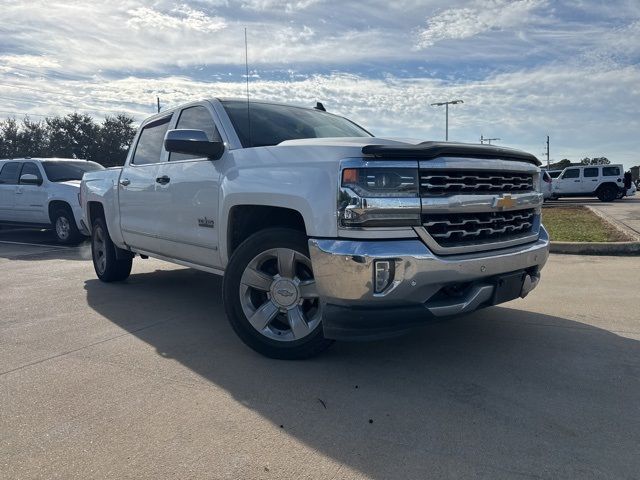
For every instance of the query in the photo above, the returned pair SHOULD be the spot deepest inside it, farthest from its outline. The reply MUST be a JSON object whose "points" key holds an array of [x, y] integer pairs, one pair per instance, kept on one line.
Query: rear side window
{"points": [[571, 173], [590, 172], [150, 144], [9, 173], [611, 171], [32, 169], [196, 118]]}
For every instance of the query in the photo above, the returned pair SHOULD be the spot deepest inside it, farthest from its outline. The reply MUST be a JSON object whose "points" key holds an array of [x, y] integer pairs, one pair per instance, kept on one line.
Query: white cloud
{"points": [[287, 6], [460, 23], [182, 17]]}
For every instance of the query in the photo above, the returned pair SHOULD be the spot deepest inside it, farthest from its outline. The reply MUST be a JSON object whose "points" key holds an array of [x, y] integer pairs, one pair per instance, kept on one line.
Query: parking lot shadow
{"points": [[501, 393], [37, 244]]}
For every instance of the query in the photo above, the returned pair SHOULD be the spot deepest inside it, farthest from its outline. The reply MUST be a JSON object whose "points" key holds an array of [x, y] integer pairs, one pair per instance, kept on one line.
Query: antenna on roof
{"points": [[320, 106], [246, 65]]}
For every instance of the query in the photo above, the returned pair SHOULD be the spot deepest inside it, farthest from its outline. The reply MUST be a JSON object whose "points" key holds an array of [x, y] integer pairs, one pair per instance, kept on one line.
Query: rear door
{"points": [[31, 200], [590, 179], [187, 217], [139, 209], [569, 183], [9, 172]]}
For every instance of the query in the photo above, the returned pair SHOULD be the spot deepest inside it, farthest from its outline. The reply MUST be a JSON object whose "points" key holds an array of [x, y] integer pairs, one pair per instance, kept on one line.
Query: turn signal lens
{"points": [[349, 175]]}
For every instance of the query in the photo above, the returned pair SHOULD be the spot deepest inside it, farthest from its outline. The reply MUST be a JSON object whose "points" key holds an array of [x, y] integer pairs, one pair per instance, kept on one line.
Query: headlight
{"points": [[379, 197], [381, 182]]}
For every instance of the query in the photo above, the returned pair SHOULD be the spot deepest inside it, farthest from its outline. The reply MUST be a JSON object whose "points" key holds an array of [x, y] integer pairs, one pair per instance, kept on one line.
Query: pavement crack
{"points": [[84, 347]]}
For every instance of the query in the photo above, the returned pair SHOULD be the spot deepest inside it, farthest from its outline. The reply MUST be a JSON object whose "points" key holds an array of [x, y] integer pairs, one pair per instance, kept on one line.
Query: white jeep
{"points": [[322, 231], [602, 181]]}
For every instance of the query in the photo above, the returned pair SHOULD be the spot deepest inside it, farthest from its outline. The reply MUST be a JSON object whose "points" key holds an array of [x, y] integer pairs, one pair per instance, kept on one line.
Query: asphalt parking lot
{"points": [[145, 379]]}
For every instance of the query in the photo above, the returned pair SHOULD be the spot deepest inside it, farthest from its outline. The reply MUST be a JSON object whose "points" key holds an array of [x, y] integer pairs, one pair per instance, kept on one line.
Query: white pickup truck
{"points": [[321, 230], [43, 193]]}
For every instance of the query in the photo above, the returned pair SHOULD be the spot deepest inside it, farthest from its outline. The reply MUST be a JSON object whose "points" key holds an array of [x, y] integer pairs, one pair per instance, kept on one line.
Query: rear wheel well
{"points": [[245, 220], [56, 205], [606, 185]]}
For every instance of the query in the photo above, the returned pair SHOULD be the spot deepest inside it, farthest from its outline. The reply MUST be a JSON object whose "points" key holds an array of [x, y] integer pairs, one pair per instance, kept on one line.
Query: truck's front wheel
{"points": [[108, 267], [270, 295]]}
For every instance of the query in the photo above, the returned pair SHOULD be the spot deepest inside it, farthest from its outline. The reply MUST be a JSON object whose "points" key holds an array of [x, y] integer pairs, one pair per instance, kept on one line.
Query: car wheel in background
{"points": [[270, 295], [64, 227], [108, 267], [607, 193]]}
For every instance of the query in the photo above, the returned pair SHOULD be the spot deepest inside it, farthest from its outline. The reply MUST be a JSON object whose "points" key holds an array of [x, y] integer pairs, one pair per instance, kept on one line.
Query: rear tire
{"points": [[65, 228], [270, 296], [607, 193], [107, 266]]}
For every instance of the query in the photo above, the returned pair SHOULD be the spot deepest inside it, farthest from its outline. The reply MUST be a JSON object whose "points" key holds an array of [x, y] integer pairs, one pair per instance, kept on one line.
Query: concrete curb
{"points": [[596, 248]]}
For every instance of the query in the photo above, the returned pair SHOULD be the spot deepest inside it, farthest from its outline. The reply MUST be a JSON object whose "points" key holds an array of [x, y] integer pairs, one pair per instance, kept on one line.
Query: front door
{"points": [[137, 187], [31, 200], [187, 219], [569, 183], [8, 184]]}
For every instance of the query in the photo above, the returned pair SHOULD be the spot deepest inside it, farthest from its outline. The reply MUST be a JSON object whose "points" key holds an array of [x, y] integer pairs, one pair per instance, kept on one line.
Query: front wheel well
{"points": [[245, 220], [96, 210]]}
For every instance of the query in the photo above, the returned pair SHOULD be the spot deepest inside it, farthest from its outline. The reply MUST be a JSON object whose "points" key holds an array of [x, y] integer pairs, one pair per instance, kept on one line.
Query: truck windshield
{"points": [[64, 171], [272, 124]]}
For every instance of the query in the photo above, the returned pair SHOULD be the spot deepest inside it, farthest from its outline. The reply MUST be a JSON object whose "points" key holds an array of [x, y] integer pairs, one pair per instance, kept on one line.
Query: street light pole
{"points": [[446, 114]]}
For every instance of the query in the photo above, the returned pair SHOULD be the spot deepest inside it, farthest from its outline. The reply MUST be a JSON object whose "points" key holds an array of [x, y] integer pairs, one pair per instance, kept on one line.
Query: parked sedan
{"points": [[43, 193]]}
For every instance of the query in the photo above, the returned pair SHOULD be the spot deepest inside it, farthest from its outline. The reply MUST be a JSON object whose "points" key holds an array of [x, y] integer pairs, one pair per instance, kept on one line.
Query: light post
{"points": [[446, 105]]}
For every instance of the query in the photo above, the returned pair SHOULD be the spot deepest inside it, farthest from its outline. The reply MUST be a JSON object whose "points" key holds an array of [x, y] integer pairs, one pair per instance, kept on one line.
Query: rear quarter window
{"points": [[611, 171]]}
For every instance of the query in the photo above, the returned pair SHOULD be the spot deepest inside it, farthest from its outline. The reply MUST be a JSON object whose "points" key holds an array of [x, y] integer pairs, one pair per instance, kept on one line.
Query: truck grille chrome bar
{"points": [[476, 228], [451, 182]]}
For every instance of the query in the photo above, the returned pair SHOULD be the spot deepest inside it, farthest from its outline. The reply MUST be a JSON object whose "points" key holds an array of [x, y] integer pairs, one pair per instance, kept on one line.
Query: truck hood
{"points": [[390, 149]]}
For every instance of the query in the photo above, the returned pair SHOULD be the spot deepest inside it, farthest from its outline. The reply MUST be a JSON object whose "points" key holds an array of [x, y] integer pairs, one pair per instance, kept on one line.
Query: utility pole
{"points": [[158, 101], [547, 152], [446, 105]]}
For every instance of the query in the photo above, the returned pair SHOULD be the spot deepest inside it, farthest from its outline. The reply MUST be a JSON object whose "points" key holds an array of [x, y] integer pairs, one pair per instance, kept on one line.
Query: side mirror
{"points": [[30, 179], [192, 142]]}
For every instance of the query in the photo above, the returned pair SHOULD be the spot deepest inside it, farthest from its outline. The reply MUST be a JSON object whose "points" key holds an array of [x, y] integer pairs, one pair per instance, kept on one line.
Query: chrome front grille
{"points": [[459, 229], [455, 182]]}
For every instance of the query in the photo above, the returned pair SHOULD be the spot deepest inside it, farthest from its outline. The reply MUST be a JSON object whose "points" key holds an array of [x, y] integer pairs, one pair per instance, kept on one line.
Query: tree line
{"points": [[71, 136]]}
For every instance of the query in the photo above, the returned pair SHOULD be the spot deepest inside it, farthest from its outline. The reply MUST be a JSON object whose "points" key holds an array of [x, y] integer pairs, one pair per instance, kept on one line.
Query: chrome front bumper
{"points": [[421, 287]]}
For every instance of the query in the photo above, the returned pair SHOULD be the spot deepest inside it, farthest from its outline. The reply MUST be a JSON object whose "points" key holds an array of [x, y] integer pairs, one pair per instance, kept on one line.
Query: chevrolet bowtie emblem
{"points": [[506, 201]]}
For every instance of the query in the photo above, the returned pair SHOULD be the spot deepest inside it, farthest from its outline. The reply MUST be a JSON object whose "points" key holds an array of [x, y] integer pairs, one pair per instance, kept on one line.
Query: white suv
{"points": [[602, 181], [43, 193]]}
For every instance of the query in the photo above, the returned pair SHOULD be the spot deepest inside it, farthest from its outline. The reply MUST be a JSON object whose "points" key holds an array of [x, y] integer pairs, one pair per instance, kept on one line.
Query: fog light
{"points": [[384, 272]]}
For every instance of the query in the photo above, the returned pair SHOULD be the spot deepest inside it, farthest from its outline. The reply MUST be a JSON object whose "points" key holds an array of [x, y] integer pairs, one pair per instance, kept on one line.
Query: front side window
{"points": [[196, 118], [9, 173], [571, 173], [264, 124], [61, 171], [32, 169], [591, 172], [151, 142], [611, 171]]}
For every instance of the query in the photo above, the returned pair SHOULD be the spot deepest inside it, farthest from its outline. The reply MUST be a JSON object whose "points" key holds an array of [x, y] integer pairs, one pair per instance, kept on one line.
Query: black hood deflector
{"points": [[432, 150]]}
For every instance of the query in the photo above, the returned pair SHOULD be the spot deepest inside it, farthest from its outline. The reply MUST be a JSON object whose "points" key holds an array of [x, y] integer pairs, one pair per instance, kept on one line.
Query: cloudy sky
{"points": [[524, 68]]}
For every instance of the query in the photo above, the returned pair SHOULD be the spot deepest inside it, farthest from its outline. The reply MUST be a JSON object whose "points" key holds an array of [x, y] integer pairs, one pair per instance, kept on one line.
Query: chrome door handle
{"points": [[124, 182], [576, 180]]}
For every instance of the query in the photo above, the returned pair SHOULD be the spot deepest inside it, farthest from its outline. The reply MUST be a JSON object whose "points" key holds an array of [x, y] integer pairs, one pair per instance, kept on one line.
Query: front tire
{"points": [[270, 295], [108, 267], [65, 228]]}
